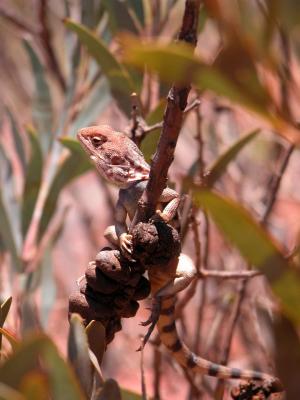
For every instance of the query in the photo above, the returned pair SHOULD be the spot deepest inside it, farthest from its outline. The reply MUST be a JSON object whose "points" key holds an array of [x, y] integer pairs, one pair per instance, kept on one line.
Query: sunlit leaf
{"points": [[61, 380], [129, 395], [7, 237], [233, 75], [119, 80], [256, 246], [33, 178], [220, 166], [35, 386], [96, 336], [12, 340], [72, 166], [42, 103], [4, 310], [78, 354], [8, 393]]}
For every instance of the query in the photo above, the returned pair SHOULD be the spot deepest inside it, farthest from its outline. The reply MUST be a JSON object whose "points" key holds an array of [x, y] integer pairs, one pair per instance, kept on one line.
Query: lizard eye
{"points": [[98, 140], [117, 160]]}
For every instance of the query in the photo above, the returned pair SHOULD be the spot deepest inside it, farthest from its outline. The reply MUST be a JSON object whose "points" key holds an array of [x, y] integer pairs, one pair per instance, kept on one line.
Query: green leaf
{"points": [[120, 19], [33, 180], [118, 78], [25, 360], [12, 340], [149, 144], [255, 246], [71, 167], [18, 142], [220, 166], [35, 386], [129, 395], [96, 336], [8, 393], [78, 354], [4, 309], [8, 238], [42, 111], [233, 75]]}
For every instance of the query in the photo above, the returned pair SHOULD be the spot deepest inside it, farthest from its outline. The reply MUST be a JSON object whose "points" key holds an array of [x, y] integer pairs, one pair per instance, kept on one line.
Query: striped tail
{"points": [[187, 359]]}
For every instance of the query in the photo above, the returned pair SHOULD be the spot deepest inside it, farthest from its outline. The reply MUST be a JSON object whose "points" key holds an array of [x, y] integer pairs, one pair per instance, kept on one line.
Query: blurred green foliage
{"points": [[99, 69]]}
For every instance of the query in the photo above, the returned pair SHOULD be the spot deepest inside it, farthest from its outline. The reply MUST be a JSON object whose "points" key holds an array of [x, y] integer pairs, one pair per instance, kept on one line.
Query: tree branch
{"points": [[172, 122]]}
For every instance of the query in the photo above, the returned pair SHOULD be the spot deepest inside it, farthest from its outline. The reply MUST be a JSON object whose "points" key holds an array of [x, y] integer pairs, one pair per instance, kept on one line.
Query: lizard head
{"points": [[115, 156]]}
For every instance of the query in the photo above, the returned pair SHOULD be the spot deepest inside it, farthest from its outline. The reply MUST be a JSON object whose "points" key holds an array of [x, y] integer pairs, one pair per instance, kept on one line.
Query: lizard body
{"points": [[120, 161]]}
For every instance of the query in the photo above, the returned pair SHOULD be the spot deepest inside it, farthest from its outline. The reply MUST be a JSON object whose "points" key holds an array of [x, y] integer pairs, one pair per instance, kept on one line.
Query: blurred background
{"points": [[65, 65]]}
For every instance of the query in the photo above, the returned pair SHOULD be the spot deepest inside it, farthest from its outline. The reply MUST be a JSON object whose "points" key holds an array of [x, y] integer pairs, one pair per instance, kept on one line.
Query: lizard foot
{"points": [[159, 216], [125, 241], [152, 320]]}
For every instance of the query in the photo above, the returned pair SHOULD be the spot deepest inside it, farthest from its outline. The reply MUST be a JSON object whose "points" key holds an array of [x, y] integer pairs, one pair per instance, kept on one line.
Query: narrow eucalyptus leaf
{"points": [[221, 164], [72, 166], [149, 144], [95, 104], [118, 78], [96, 337], [26, 359], [8, 238], [33, 180], [256, 246], [18, 142], [5, 307], [42, 102], [78, 354]]}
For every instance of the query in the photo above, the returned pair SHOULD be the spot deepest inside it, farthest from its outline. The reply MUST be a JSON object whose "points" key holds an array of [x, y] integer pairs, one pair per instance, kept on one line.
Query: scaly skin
{"points": [[120, 161]]}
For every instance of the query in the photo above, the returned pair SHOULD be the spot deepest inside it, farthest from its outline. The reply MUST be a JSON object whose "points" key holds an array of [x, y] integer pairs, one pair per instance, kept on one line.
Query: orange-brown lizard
{"points": [[119, 160]]}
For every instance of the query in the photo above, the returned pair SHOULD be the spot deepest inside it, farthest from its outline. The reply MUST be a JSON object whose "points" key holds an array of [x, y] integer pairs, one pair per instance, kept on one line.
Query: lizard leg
{"points": [[185, 273], [110, 234], [172, 199]]}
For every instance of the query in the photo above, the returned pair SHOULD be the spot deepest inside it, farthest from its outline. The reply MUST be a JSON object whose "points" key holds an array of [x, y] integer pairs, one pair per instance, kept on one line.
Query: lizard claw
{"points": [[152, 320], [159, 216], [126, 244]]}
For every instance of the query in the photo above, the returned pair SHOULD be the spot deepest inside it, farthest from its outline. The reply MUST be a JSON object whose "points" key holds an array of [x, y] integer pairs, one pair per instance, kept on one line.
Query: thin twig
{"points": [[173, 117], [219, 392], [159, 125], [143, 381], [157, 361], [20, 24]]}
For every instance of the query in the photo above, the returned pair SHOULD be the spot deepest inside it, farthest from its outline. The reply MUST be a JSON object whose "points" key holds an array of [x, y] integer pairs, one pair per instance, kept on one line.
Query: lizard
{"points": [[120, 161]]}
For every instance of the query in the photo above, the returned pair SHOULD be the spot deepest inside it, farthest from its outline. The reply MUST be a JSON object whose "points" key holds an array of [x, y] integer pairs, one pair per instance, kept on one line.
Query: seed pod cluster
{"points": [[109, 291], [113, 284]]}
